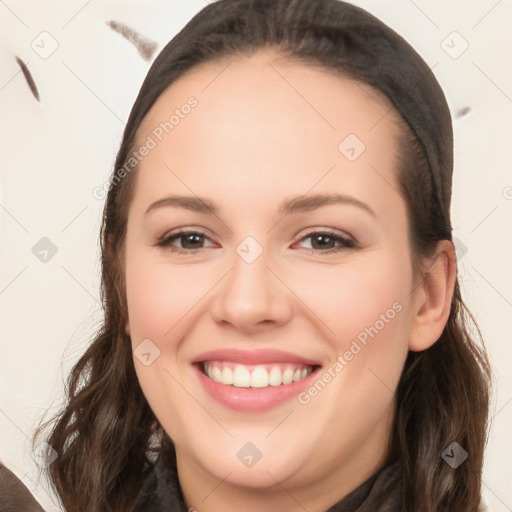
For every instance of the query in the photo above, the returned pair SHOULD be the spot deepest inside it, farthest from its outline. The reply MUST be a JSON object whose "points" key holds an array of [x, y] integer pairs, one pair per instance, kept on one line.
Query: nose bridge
{"points": [[251, 294]]}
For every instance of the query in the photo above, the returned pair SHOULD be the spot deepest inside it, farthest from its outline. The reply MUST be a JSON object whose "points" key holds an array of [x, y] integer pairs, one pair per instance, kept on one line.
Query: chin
{"points": [[250, 459]]}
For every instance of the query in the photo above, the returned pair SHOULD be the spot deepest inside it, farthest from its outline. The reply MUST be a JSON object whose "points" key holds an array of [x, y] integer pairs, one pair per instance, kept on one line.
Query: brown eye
{"points": [[327, 242], [184, 241]]}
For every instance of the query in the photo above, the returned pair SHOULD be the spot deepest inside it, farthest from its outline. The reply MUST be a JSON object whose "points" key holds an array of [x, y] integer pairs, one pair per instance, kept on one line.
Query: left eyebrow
{"points": [[307, 203], [295, 205]]}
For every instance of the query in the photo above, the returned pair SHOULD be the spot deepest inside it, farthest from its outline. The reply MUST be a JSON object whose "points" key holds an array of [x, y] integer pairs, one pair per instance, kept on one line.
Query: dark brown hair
{"points": [[104, 433]]}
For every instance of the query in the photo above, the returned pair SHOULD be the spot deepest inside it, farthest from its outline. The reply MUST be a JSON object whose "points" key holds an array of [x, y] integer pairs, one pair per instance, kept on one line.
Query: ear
{"points": [[127, 327], [433, 297]]}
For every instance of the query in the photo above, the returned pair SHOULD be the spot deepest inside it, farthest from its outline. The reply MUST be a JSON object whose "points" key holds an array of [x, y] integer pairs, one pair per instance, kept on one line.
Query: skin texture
{"points": [[267, 129]]}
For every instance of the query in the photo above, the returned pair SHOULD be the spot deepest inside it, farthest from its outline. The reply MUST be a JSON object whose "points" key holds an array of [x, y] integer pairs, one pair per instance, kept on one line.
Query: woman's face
{"points": [[297, 268]]}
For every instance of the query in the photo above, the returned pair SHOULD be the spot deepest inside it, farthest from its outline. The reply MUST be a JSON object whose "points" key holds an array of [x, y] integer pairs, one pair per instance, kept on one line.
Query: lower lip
{"points": [[252, 399]]}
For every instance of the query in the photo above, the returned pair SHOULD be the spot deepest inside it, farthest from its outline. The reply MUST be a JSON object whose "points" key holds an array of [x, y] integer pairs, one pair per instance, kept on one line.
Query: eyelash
{"points": [[347, 243]]}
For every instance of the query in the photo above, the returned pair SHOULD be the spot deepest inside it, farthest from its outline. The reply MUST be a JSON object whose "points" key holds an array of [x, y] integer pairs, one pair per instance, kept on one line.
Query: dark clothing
{"points": [[161, 491], [14, 495]]}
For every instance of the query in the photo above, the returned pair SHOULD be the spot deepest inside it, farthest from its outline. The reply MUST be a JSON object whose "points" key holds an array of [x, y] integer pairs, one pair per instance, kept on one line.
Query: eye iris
{"points": [[190, 240], [325, 241]]}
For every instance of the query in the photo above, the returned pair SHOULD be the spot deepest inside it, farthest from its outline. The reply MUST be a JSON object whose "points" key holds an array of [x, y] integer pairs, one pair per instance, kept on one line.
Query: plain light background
{"points": [[53, 154]]}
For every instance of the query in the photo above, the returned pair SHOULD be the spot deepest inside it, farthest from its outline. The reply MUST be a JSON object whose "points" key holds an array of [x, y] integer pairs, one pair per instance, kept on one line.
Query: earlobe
{"points": [[434, 298]]}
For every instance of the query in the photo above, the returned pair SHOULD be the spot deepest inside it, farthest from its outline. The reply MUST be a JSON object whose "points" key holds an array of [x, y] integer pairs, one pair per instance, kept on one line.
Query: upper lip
{"points": [[253, 357]]}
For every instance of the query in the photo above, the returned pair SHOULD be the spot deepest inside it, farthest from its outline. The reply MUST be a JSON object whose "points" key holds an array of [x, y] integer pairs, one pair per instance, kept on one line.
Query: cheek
{"points": [[163, 304], [364, 311], [160, 301], [352, 299], [159, 296]]}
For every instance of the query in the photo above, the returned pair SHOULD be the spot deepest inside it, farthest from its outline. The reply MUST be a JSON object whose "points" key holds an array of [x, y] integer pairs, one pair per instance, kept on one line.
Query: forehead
{"points": [[268, 119], [267, 80]]}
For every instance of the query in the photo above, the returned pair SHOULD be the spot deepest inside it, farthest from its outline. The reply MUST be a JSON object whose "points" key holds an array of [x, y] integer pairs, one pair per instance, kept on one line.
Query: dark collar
{"points": [[161, 491]]}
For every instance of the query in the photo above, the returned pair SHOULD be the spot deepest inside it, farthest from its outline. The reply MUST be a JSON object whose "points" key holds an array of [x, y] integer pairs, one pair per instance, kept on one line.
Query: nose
{"points": [[253, 296]]}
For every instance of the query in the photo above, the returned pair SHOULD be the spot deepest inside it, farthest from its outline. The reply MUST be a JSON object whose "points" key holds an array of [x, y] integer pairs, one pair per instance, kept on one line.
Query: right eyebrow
{"points": [[196, 204]]}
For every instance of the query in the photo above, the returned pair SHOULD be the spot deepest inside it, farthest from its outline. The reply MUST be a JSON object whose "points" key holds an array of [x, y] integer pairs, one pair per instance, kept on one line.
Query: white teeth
{"points": [[259, 378], [288, 376], [275, 378], [242, 377], [227, 375], [217, 374]]}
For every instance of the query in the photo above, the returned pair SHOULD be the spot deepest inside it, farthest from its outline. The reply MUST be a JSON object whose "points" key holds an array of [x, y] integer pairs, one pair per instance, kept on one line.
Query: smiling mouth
{"points": [[255, 376]]}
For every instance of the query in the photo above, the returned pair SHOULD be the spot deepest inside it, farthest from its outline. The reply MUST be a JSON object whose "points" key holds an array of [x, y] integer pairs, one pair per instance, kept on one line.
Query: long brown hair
{"points": [[105, 433]]}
